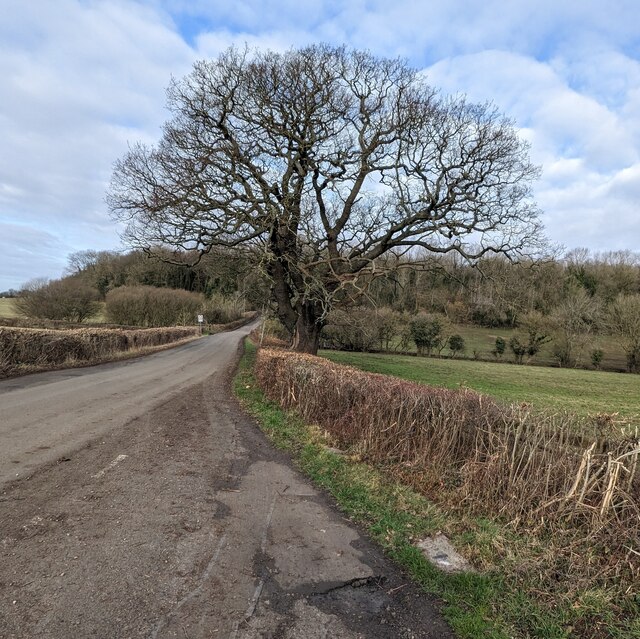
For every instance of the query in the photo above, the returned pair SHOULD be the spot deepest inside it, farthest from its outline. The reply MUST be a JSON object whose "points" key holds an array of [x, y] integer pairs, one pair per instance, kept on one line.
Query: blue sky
{"points": [[82, 78]]}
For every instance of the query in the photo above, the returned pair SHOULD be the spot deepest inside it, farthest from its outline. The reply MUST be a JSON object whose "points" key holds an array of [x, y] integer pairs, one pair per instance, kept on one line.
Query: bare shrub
{"points": [[624, 322], [574, 321], [537, 335], [150, 306], [388, 324], [67, 299], [551, 471], [351, 330]]}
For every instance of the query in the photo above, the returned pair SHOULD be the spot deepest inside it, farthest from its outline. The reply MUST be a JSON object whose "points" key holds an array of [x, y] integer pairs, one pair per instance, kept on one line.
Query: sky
{"points": [[82, 79]]}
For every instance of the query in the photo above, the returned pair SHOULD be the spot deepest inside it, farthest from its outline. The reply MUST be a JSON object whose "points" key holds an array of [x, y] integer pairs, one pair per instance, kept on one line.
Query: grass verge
{"points": [[490, 604]]}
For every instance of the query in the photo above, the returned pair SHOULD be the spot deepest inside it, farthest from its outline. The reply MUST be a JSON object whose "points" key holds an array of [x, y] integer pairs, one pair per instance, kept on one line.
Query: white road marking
{"points": [[113, 464]]}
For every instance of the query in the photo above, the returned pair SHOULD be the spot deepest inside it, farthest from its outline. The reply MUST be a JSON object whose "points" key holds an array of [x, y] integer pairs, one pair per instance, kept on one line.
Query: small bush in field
{"points": [[150, 306], [456, 344], [499, 348], [426, 332], [530, 348], [596, 357], [518, 349]]}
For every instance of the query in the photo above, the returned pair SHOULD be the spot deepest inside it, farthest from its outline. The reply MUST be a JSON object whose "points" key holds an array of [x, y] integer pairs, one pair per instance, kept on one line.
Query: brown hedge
{"points": [[537, 470], [44, 348]]}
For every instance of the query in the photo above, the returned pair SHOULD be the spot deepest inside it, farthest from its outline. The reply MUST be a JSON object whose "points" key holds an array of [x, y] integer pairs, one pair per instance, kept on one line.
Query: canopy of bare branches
{"points": [[324, 160]]}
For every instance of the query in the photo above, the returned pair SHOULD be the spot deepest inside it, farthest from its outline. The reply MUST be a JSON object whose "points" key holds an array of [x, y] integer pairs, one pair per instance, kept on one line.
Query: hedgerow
{"points": [[574, 482]]}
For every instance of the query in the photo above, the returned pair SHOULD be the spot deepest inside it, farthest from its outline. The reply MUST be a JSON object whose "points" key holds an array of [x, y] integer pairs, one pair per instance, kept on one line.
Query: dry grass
{"points": [[7, 308], [28, 349], [570, 480]]}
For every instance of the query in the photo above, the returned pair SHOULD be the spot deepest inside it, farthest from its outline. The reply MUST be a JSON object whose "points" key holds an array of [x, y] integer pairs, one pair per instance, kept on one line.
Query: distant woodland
{"points": [[565, 302]]}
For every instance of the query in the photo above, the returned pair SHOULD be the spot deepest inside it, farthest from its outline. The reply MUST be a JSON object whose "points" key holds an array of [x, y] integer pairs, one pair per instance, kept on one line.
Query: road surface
{"points": [[137, 500]]}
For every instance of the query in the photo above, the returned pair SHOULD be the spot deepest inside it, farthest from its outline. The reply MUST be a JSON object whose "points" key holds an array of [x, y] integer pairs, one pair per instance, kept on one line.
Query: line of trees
{"points": [[570, 300], [135, 289], [566, 302]]}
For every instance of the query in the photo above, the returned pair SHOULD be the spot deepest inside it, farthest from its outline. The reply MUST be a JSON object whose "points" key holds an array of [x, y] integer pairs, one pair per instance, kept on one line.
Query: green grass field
{"points": [[580, 391], [6, 307]]}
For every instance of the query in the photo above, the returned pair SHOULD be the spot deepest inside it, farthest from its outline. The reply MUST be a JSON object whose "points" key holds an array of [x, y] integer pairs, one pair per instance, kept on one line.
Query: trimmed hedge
{"points": [[44, 348]]}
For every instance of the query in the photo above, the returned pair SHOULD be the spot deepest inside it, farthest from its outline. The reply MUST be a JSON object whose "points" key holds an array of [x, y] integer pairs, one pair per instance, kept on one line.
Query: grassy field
{"points": [[581, 391], [6, 307], [482, 340]]}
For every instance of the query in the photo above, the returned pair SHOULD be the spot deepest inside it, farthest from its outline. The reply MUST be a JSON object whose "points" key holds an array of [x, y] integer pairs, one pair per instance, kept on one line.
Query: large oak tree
{"points": [[324, 161]]}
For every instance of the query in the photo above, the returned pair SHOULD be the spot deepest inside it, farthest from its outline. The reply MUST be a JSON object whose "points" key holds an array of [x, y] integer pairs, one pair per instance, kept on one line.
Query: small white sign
{"points": [[200, 319]]}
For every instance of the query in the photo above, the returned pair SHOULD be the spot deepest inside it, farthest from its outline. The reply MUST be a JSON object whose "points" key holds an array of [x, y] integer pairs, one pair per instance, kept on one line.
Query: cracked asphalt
{"points": [[138, 500]]}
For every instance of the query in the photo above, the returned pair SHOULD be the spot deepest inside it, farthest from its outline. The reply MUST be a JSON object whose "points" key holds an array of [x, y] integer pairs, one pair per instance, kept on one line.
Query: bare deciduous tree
{"points": [[574, 321], [324, 160], [624, 322]]}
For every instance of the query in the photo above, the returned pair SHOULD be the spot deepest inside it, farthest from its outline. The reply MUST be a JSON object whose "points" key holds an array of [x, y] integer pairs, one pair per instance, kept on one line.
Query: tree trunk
{"points": [[306, 338]]}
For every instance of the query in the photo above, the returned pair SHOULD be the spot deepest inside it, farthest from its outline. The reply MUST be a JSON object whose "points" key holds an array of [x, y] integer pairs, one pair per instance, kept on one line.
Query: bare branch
{"points": [[325, 160]]}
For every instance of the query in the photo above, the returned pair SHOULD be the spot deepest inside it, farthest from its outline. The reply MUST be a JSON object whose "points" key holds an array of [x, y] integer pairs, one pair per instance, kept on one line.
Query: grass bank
{"points": [[505, 599], [580, 391]]}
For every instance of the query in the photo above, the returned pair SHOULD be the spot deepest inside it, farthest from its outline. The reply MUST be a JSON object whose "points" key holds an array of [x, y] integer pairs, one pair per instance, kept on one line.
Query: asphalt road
{"points": [[138, 500]]}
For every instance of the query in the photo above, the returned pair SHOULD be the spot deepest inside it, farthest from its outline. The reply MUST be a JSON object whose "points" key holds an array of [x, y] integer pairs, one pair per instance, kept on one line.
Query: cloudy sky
{"points": [[82, 78]]}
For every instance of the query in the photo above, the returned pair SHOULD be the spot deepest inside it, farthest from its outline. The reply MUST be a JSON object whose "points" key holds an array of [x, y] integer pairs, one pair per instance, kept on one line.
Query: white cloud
{"points": [[212, 43], [588, 148], [20, 262], [441, 28], [79, 80]]}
